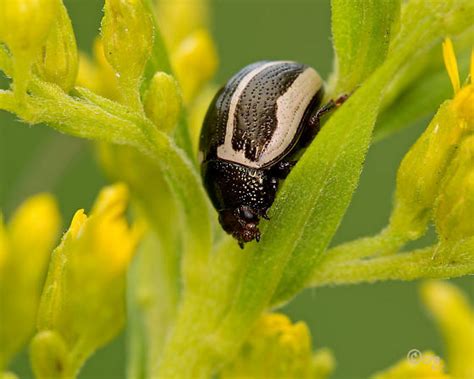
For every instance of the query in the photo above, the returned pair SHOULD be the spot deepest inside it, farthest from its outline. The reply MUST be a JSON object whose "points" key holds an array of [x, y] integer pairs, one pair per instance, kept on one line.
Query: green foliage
{"points": [[193, 296], [362, 31]]}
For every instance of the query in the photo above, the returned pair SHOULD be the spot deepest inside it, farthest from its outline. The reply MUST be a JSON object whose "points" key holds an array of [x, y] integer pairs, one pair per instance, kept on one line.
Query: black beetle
{"points": [[253, 130]]}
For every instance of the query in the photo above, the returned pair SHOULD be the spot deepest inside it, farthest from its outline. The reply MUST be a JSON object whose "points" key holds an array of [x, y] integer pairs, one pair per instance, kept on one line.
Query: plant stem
{"points": [[384, 243], [422, 263]]}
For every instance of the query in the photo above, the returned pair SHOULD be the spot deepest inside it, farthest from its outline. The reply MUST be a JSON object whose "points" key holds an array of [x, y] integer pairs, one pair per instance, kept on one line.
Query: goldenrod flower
{"points": [[97, 74], [24, 26], [86, 281], [425, 366], [455, 318], [58, 61], [185, 25], [163, 102], [127, 35], [424, 166], [25, 247], [178, 19], [195, 62], [276, 348], [455, 205]]}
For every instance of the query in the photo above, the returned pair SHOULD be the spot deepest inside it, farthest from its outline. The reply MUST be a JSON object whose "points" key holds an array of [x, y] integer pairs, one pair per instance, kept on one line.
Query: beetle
{"points": [[253, 131]]}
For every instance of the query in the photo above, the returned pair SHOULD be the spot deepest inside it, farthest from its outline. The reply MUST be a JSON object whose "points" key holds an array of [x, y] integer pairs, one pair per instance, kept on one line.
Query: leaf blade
{"points": [[361, 32]]}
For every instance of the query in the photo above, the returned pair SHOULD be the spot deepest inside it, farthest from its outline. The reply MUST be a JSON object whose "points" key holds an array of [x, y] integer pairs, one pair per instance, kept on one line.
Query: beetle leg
{"points": [[282, 169], [314, 121]]}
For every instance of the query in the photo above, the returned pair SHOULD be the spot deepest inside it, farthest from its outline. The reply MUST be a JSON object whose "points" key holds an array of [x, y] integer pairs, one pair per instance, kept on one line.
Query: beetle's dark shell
{"points": [[253, 125]]}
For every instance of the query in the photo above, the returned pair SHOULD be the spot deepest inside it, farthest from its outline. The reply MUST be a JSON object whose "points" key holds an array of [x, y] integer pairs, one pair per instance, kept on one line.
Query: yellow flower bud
{"points": [[8, 375], [25, 247], [455, 205], [58, 61], [276, 348], [178, 19], [194, 62], [163, 102], [87, 74], [48, 355], [455, 318], [98, 75], [86, 278], [426, 366], [24, 26], [127, 35], [423, 167], [421, 171], [323, 363]]}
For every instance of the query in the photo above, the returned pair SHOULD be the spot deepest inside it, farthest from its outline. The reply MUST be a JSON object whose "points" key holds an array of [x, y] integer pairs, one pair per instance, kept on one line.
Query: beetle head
{"points": [[241, 223]]}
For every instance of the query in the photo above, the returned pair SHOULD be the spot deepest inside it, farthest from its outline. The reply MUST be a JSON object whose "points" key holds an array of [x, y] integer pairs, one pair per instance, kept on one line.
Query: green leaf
{"points": [[314, 197], [307, 211], [361, 34], [337, 153]]}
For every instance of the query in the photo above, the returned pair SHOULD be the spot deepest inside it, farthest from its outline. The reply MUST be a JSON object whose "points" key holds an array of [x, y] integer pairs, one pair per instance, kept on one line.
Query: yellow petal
{"points": [[195, 62], [91, 263], [451, 64], [77, 223], [178, 19], [33, 229]]}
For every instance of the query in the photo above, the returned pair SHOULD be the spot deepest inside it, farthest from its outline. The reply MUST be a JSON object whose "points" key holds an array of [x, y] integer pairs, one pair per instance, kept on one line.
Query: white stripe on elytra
{"points": [[226, 151], [290, 110]]}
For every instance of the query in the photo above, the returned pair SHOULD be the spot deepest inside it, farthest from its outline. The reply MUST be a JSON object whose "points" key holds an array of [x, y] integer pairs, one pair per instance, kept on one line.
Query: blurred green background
{"points": [[368, 327]]}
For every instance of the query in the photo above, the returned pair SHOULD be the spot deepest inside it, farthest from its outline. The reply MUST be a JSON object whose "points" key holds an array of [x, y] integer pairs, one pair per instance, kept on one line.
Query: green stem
{"points": [[384, 243], [418, 264], [130, 94], [191, 351]]}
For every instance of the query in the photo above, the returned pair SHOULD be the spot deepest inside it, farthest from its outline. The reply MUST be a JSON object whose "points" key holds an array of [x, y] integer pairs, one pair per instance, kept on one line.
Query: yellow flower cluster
{"points": [[276, 348], [39, 33], [192, 53], [426, 366], [86, 281], [192, 50]]}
